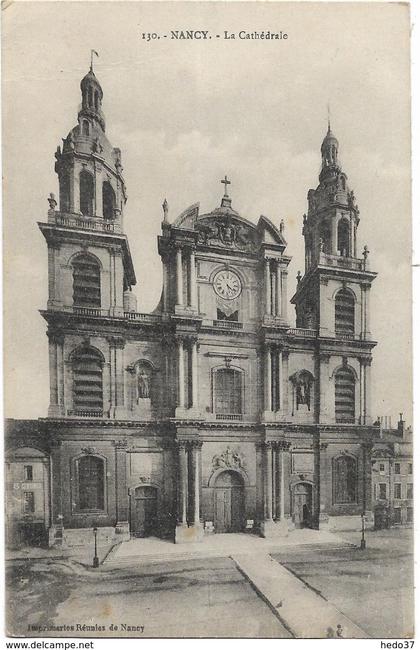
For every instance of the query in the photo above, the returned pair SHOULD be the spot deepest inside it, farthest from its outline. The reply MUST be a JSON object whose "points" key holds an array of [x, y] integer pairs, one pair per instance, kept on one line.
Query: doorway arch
{"points": [[229, 502], [302, 506], [144, 511]]}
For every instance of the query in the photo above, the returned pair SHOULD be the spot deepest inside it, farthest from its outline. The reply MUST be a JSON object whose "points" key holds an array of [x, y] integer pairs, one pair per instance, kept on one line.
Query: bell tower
{"points": [[332, 297], [90, 270]]}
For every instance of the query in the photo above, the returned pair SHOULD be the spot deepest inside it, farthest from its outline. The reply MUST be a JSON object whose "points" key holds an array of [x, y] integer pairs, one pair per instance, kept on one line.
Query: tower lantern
{"points": [[89, 169]]}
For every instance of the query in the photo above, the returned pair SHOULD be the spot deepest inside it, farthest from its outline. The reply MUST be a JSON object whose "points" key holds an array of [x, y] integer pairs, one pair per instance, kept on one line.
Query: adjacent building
{"points": [[217, 412], [392, 475]]}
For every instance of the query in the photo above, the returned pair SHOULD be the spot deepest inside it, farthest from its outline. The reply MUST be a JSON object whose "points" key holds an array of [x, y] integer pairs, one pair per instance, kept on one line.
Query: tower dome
{"points": [[89, 168]]}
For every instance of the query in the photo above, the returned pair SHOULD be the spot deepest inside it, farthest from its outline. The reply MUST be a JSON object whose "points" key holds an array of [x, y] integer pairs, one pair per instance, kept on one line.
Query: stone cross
{"points": [[225, 182]]}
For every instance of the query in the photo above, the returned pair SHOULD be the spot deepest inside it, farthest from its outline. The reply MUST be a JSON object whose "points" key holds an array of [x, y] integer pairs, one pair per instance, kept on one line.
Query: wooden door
{"points": [[222, 510], [228, 503], [144, 511]]}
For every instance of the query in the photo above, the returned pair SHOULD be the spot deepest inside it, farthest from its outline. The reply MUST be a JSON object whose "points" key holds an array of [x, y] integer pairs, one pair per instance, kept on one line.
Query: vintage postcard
{"points": [[207, 292]]}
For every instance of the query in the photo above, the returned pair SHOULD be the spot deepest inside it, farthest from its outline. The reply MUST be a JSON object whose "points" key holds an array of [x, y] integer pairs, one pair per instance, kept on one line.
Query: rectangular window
{"points": [[409, 490], [28, 502], [397, 468], [397, 515], [382, 467], [409, 515], [382, 490], [397, 491], [28, 472], [228, 391], [410, 468]]}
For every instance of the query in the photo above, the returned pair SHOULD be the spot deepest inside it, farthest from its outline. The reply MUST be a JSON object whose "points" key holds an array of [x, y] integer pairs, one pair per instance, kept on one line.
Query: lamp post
{"points": [[363, 541], [95, 557]]}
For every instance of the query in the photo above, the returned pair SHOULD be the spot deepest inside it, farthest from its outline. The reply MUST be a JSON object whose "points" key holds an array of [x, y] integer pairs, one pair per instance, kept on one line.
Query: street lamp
{"points": [[363, 541], [95, 557]]}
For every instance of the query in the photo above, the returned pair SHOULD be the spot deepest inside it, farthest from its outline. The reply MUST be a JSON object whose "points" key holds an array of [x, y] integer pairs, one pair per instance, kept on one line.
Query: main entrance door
{"points": [[144, 511], [302, 505], [229, 507]]}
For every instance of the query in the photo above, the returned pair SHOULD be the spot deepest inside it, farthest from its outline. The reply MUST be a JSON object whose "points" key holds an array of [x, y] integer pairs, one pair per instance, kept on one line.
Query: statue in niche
{"points": [[143, 384], [303, 392]]}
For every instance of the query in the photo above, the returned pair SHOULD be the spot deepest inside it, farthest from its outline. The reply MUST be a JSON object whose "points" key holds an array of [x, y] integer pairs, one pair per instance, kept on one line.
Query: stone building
{"points": [[213, 413], [392, 475]]}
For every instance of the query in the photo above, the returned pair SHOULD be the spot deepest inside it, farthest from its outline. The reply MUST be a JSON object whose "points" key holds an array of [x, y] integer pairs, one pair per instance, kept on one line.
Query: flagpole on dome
{"points": [[92, 52]]}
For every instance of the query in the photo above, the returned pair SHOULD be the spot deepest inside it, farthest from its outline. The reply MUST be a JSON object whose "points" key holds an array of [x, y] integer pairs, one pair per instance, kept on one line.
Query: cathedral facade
{"points": [[214, 413]]}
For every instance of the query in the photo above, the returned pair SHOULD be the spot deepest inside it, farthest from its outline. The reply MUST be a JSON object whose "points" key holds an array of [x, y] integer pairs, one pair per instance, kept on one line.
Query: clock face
{"points": [[227, 284]]}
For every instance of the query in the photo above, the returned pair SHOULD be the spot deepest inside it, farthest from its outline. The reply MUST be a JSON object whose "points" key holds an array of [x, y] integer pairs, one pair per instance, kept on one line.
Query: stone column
{"points": [[55, 533], [181, 374], [165, 283], [118, 344], [323, 396], [282, 483], [182, 483], [285, 382], [367, 481], [75, 188], [269, 482], [121, 493], [275, 480], [367, 332], [284, 295], [193, 281], [98, 193], [279, 311], [368, 415], [194, 373], [61, 375], [362, 414], [334, 225], [325, 485], [267, 383], [351, 242], [280, 379], [53, 367], [267, 283], [196, 449], [179, 279]]}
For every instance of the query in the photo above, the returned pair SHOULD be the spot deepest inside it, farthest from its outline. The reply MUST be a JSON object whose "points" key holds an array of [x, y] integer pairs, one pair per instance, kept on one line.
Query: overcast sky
{"points": [[185, 114]]}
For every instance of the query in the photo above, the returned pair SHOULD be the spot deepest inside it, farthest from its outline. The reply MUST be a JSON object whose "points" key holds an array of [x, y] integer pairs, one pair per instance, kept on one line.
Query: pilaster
{"points": [[121, 489]]}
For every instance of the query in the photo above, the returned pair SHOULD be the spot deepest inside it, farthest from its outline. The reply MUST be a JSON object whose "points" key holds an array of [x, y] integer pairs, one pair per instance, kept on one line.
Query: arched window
{"points": [[343, 238], [108, 200], [86, 193], [325, 235], [228, 392], [344, 395], [85, 127], [90, 483], [87, 381], [64, 183], [344, 312], [86, 281], [344, 479]]}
